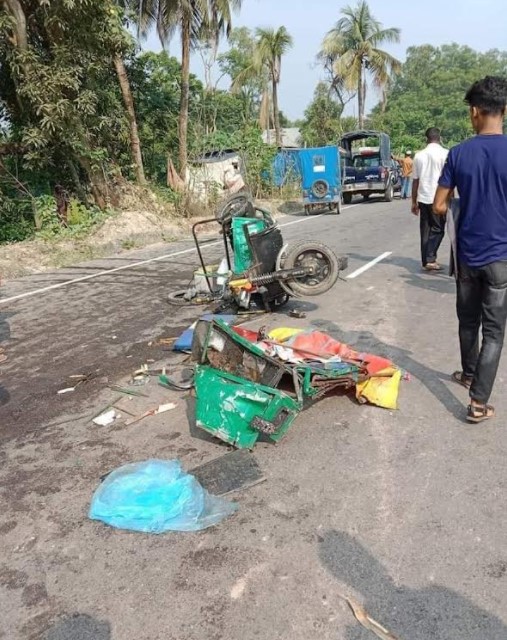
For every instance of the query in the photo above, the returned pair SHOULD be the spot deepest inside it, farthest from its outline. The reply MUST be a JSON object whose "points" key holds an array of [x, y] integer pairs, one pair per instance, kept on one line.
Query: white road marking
{"points": [[369, 265], [132, 265]]}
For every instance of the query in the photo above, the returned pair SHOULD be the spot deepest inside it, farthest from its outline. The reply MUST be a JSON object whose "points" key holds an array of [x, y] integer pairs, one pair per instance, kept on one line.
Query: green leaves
{"points": [[430, 90], [351, 48], [321, 125]]}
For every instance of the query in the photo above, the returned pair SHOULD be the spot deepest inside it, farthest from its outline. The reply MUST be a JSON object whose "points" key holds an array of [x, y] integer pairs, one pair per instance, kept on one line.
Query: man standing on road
{"points": [[406, 164], [478, 169], [428, 165]]}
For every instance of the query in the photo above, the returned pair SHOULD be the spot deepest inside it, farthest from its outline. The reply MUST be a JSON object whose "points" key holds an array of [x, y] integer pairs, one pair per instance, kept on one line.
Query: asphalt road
{"points": [[402, 510]]}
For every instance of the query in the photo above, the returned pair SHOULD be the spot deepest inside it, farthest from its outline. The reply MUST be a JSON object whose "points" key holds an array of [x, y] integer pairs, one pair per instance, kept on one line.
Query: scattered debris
{"points": [[361, 615], [166, 407], [107, 418], [234, 471], [67, 390], [128, 392], [184, 341], [155, 496], [170, 383], [294, 313], [80, 379], [163, 408]]}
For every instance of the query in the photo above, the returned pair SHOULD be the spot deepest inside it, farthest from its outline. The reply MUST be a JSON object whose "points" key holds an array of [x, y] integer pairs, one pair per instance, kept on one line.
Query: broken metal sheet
{"points": [[237, 411], [234, 471], [219, 346]]}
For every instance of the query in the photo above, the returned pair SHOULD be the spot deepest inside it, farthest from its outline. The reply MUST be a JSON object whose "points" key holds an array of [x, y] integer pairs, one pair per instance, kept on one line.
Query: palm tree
{"points": [[270, 46], [128, 101], [192, 18], [353, 44]]}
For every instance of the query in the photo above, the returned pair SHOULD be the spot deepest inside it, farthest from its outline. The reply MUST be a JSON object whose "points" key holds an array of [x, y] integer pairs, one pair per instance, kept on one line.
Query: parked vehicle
{"points": [[369, 170], [321, 178]]}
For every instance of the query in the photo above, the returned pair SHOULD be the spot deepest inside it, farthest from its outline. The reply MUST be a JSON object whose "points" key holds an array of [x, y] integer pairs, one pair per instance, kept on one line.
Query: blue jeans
{"points": [[406, 187]]}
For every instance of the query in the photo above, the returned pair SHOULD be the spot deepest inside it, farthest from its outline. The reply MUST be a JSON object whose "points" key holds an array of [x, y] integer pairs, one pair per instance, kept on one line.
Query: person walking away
{"points": [[406, 164], [428, 165], [477, 168]]}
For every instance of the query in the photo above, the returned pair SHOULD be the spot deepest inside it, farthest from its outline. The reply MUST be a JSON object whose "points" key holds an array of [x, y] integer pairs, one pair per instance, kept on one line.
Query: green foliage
{"points": [[321, 125], [81, 219], [351, 50], [235, 62], [430, 91], [258, 158]]}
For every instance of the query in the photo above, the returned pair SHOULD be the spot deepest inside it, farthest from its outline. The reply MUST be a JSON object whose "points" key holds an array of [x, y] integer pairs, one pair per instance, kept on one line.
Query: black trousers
{"points": [[432, 233], [482, 300]]}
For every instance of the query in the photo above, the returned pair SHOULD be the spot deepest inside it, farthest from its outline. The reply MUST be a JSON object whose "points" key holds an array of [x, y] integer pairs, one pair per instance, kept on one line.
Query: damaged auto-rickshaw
{"points": [[258, 269]]}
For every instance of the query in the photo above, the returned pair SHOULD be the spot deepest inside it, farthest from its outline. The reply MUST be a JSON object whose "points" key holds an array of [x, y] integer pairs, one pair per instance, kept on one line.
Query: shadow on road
{"points": [[432, 379], [5, 334], [410, 614]]}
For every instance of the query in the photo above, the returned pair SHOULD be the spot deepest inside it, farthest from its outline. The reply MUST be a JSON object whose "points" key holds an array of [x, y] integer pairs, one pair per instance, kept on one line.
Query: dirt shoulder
{"points": [[130, 229]]}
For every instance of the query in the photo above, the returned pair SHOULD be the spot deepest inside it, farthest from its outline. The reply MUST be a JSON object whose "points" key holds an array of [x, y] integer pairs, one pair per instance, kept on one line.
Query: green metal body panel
{"points": [[237, 394], [229, 407], [242, 254]]}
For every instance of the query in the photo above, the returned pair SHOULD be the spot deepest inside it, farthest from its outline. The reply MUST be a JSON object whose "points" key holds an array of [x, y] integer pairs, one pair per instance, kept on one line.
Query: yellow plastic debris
{"points": [[381, 390], [281, 334]]}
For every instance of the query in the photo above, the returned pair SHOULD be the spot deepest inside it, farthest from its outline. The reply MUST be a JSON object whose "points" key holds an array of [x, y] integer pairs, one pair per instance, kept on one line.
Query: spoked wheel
{"points": [[237, 204], [321, 263], [182, 299]]}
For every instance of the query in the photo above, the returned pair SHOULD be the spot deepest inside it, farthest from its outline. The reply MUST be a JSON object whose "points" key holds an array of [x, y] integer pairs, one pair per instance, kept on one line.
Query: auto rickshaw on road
{"points": [[321, 179]]}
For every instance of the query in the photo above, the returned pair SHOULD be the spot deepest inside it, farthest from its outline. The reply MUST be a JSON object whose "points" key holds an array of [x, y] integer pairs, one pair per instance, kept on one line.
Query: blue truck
{"points": [[368, 169]]}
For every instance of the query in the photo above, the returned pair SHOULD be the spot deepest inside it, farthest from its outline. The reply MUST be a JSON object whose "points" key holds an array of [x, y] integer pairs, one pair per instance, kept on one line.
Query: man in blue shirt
{"points": [[477, 168]]}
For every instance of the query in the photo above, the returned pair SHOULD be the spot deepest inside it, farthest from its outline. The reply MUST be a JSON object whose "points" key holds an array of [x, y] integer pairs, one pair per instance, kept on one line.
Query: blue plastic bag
{"points": [[156, 496]]}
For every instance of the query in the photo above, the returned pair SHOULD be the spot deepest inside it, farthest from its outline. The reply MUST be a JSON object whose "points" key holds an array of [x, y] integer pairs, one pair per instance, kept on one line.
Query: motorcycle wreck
{"points": [[258, 271]]}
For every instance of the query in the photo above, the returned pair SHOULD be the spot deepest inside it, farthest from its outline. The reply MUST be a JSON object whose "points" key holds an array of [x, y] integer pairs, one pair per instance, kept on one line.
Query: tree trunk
{"points": [[80, 192], [360, 99], [97, 182], [185, 90], [276, 115], [128, 100], [20, 34]]}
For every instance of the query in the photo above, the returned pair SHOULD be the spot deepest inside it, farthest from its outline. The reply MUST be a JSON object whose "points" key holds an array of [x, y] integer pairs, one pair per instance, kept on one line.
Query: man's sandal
{"points": [[477, 414], [462, 379]]}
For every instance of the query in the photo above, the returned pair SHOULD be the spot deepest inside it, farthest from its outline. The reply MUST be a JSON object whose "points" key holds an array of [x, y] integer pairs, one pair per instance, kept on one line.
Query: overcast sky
{"points": [[480, 24]]}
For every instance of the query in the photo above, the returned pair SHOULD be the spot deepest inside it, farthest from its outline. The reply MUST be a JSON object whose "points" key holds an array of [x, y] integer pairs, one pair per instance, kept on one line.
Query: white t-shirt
{"points": [[428, 165]]}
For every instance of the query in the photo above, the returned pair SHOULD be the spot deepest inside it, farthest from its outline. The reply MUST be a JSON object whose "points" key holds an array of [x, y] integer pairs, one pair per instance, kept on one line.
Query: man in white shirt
{"points": [[428, 165]]}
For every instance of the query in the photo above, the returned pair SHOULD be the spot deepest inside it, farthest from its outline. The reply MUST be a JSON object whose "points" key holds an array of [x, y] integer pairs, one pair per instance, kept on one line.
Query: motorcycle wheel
{"points": [[325, 268], [234, 205]]}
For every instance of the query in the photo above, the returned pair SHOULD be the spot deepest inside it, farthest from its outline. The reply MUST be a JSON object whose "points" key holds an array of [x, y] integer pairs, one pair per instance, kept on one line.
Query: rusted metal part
{"points": [[268, 427], [325, 385]]}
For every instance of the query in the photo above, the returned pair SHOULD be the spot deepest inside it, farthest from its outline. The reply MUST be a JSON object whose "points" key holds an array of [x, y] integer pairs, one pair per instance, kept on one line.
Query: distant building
{"points": [[291, 137]]}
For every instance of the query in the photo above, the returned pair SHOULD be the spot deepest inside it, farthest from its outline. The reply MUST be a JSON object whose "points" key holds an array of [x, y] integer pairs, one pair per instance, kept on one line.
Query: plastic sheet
{"points": [[155, 496]]}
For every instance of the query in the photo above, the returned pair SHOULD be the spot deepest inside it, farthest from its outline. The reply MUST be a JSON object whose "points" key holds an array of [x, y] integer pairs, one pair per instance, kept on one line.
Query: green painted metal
{"points": [[242, 254], [228, 406], [240, 399]]}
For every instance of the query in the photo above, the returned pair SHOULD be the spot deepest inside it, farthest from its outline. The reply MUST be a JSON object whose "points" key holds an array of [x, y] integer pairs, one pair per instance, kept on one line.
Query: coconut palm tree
{"points": [[354, 43], [192, 18], [271, 45]]}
